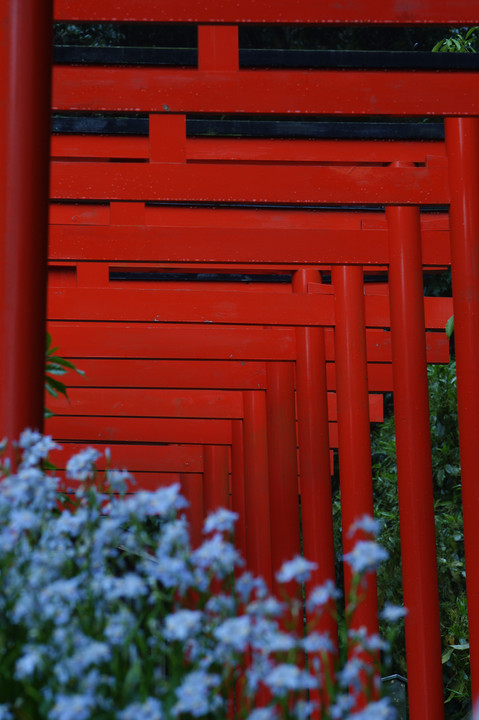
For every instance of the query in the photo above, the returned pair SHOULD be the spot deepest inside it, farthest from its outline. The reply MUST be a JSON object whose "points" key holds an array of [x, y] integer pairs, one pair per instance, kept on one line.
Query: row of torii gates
{"points": [[238, 390]]}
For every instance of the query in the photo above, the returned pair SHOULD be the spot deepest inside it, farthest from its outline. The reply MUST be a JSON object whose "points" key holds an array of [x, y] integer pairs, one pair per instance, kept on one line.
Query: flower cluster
{"points": [[107, 612]]}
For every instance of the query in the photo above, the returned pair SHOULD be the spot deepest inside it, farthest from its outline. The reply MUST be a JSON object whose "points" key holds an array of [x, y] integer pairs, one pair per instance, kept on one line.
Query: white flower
{"points": [[267, 607], [263, 713], [269, 639], [149, 710], [72, 707], [221, 605], [304, 710], [182, 624], [351, 674], [322, 594], [234, 633], [93, 653], [285, 677], [342, 705], [366, 556], [257, 671], [392, 613], [217, 555], [128, 586], [118, 479], [380, 710], [367, 524], [220, 521], [25, 520], [166, 500], [195, 694], [298, 569], [174, 538], [119, 626], [82, 465], [28, 438], [247, 583], [29, 662], [365, 641], [36, 447], [170, 571], [317, 642]]}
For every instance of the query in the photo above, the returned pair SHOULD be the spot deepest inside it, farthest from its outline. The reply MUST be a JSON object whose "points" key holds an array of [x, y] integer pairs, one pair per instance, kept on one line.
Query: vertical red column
{"points": [[353, 421], [313, 436], [25, 67], [215, 477], [413, 449], [257, 518], [192, 489], [218, 48], [167, 138], [283, 471], [237, 484], [462, 142]]}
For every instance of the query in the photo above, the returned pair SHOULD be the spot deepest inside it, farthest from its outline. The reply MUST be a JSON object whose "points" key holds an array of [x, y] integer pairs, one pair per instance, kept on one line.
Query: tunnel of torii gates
{"points": [[158, 213]]}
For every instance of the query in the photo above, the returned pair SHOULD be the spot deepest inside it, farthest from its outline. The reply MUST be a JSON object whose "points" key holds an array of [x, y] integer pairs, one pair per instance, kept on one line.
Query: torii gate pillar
{"points": [[25, 82]]}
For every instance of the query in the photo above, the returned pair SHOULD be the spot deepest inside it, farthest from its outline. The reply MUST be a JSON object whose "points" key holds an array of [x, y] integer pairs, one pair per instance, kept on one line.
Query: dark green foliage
{"points": [[449, 535], [438, 284], [460, 40], [56, 366], [97, 35], [126, 34], [329, 37], [288, 37]]}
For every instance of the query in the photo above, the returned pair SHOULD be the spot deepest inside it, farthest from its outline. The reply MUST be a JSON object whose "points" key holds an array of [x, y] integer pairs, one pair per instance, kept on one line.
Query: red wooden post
{"points": [[462, 141], [238, 483], [215, 479], [413, 447], [167, 138], [311, 394], [257, 522], [25, 67], [283, 472], [353, 422], [192, 489], [218, 47]]}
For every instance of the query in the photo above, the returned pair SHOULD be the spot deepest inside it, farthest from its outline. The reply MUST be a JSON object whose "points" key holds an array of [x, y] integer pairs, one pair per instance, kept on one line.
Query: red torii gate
{"points": [[176, 181], [228, 89]]}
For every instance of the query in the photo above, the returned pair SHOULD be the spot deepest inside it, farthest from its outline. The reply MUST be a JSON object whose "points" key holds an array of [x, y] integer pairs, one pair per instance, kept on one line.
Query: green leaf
{"points": [[446, 655], [450, 327], [67, 364], [54, 387]]}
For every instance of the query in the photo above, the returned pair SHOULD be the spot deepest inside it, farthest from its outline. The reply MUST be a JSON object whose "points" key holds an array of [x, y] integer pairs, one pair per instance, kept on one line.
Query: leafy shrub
{"points": [[449, 534]]}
